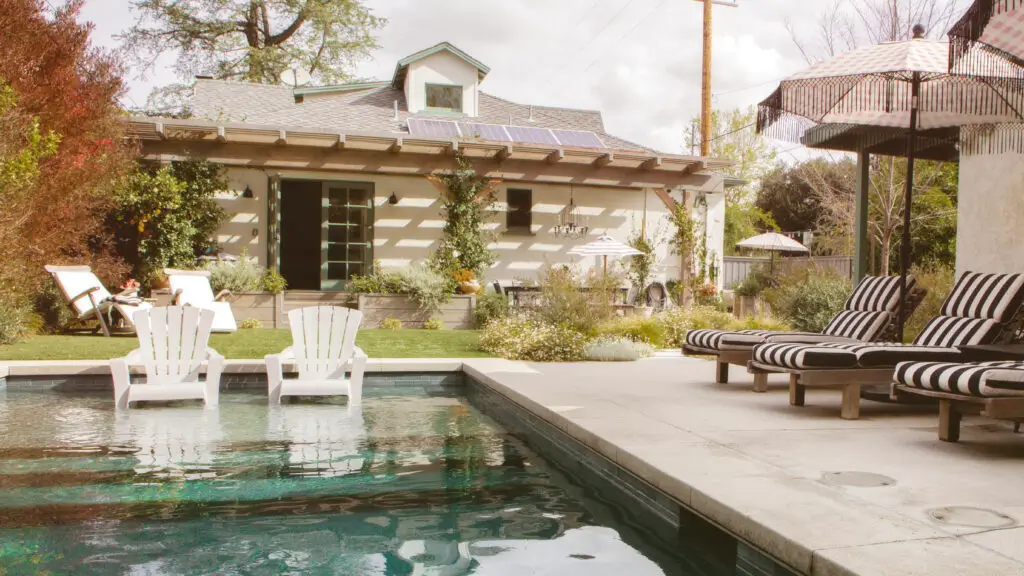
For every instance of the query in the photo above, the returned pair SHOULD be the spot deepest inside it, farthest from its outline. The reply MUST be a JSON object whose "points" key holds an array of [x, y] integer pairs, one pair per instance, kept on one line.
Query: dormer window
{"points": [[444, 97]]}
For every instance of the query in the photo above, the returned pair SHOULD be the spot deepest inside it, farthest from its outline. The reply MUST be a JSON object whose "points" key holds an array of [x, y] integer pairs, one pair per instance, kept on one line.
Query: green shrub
{"points": [[433, 324], [562, 303], [55, 316], [676, 322], [705, 317], [636, 329], [241, 275], [14, 319], [809, 299], [521, 338], [427, 287], [273, 282], [759, 279], [612, 349], [391, 324], [490, 306], [939, 283], [250, 324], [756, 323]]}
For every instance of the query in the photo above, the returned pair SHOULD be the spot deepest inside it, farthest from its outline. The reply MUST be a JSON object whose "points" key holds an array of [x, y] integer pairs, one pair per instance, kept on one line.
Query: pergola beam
{"points": [[556, 156], [340, 144], [604, 160], [282, 138], [503, 154], [395, 147], [651, 163]]}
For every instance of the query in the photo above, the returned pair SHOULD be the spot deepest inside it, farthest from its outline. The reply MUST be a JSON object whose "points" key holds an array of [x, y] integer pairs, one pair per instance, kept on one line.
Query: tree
{"points": [[467, 200], [166, 218], [736, 139], [254, 40], [744, 220], [793, 194], [70, 90]]}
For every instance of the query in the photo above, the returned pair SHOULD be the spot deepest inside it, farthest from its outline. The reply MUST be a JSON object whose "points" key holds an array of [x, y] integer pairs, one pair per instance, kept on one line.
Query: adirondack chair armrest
{"points": [[120, 371], [357, 352], [222, 294], [176, 297], [275, 373], [214, 361]]}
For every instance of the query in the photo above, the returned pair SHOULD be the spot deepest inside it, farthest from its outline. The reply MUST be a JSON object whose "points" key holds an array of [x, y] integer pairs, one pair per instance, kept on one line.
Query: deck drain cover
{"points": [[857, 479], [971, 516]]}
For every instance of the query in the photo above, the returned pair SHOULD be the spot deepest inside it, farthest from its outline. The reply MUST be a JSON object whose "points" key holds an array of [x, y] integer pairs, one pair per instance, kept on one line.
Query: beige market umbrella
{"points": [[605, 246], [773, 242], [989, 39]]}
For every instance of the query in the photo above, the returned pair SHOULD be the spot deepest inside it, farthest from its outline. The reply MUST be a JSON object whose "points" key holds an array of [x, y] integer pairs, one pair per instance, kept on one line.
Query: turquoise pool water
{"points": [[416, 482]]}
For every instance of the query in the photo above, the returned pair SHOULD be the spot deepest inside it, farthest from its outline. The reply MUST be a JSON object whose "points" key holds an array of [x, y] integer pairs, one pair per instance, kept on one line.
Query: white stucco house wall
{"points": [[327, 180]]}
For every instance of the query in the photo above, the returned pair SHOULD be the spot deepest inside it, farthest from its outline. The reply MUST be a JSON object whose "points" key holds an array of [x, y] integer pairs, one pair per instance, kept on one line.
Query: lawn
{"points": [[254, 344]]}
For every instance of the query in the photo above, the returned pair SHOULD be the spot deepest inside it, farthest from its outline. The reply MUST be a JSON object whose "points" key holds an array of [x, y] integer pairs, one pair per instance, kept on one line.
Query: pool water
{"points": [[416, 482]]}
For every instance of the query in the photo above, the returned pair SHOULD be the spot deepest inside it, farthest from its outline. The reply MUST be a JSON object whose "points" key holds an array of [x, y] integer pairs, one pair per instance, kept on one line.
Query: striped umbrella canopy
{"points": [[772, 242], [605, 246], [904, 85], [989, 39]]}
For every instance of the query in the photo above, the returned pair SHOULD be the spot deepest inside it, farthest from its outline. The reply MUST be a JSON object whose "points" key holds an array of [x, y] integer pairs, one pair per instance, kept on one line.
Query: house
{"points": [[326, 180]]}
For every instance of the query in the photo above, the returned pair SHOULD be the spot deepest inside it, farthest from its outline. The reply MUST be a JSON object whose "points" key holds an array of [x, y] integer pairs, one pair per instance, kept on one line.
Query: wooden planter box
{"points": [[266, 307], [457, 314], [744, 306]]}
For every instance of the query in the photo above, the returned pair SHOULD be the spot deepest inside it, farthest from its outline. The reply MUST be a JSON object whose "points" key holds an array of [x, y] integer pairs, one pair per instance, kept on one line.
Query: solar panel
{"points": [[433, 128], [532, 135], [484, 131], [578, 138]]}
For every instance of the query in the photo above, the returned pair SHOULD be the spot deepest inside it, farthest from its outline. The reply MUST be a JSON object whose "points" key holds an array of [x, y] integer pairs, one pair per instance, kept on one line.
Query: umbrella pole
{"points": [[915, 91], [605, 265]]}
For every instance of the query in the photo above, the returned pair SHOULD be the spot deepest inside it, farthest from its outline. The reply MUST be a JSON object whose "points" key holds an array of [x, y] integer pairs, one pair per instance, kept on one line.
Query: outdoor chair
{"points": [[321, 440], [173, 349], [323, 345], [870, 314], [981, 309], [192, 288], [90, 300], [991, 389]]}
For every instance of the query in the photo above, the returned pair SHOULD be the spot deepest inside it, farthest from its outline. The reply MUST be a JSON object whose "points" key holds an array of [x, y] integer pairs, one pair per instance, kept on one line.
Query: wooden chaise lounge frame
{"points": [[952, 408], [723, 358], [851, 380]]}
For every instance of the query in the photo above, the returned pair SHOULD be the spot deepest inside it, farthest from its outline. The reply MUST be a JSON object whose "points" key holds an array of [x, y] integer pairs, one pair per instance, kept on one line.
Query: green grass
{"points": [[255, 343]]}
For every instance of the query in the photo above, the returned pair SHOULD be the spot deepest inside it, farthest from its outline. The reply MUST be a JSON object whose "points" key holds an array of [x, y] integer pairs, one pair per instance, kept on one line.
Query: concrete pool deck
{"points": [[761, 469]]}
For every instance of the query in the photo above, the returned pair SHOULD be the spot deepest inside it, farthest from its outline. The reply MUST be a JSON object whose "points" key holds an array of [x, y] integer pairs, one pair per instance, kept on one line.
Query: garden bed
{"points": [[456, 314]]}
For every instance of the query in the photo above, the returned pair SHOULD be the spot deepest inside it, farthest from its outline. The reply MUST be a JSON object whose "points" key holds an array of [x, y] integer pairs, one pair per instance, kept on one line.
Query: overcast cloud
{"points": [[638, 61]]}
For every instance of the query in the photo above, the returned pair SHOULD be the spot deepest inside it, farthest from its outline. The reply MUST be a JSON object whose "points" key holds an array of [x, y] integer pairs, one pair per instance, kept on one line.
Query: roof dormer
{"points": [[441, 80]]}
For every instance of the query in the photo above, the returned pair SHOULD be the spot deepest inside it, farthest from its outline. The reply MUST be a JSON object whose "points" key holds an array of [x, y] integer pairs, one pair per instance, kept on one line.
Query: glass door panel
{"points": [[347, 233]]}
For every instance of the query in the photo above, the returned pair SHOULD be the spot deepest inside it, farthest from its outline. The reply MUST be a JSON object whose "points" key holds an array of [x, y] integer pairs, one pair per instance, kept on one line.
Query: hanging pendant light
{"points": [[571, 224]]}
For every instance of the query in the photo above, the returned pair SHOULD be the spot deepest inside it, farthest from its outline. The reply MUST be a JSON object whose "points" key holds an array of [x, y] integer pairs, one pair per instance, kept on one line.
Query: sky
{"points": [[637, 61]]}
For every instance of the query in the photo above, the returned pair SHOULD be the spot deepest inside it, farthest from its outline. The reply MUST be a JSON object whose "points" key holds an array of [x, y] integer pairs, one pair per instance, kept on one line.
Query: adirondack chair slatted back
{"points": [[323, 340], [194, 285], [73, 280], [173, 341]]}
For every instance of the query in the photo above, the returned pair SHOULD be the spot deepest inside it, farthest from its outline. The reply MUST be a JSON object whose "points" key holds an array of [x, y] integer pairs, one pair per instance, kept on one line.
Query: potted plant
{"points": [[467, 282]]}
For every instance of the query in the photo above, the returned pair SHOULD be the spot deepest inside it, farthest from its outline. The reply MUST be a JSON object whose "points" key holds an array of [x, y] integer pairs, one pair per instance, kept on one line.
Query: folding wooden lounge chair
{"points": [[981, 309], [323, 345], [192, 288], [992, 389], [173, 349], [90, 300], [869, 315]]}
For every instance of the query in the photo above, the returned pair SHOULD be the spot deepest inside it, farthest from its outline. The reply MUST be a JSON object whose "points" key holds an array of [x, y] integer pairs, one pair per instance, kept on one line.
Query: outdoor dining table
{"points": [[527, 295]]}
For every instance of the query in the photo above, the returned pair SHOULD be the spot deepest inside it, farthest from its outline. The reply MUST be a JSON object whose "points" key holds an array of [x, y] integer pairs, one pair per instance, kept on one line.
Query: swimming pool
{"points": [[416, 482]]}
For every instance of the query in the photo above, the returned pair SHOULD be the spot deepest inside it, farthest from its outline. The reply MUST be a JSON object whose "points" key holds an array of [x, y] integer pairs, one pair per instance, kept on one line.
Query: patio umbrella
{"points": [[772, 242], [605, 246], [893, 85], [989, 39]]}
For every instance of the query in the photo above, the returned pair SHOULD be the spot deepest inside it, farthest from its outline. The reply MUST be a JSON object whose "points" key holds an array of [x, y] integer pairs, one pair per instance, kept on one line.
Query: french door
{"points": [[346, 233]]}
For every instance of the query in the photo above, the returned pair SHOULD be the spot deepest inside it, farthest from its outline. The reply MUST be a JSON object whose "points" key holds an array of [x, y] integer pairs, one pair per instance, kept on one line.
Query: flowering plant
{"points": [[464, 275], [130, 285], [708, 290]]}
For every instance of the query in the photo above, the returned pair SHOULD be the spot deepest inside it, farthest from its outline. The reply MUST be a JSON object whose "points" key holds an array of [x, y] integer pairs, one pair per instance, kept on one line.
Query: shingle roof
{"points": [[371, 109]]}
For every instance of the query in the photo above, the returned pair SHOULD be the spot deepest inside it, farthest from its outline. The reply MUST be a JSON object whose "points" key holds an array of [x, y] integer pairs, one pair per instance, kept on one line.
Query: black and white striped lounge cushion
{"points": [[877, 294], [848, 324], [976, 379], [990, 298], [706, 339]]}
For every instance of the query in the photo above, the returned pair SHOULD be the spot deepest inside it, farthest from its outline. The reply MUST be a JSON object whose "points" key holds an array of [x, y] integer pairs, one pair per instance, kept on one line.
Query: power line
{"points": [[751, 125], [624, 36], [745, 88]]}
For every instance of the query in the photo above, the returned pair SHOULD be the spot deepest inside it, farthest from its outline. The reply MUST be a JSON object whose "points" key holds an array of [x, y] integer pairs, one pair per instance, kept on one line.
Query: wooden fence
{"points": [[736, 268]]}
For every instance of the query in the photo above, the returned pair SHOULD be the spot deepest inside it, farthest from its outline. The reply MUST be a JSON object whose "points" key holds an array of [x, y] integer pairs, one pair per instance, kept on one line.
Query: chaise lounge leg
{"points": [[851, 402], [949, 421], [761, 382], [796, 391], [722, 373]]}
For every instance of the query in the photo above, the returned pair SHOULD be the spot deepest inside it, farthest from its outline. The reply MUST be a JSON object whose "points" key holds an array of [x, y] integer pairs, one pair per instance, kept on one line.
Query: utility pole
{"points": [[705, 100]]}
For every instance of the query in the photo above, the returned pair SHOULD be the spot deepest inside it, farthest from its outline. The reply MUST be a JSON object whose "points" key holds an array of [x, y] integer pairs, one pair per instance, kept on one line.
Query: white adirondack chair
{"points": [[322, 440], [172, 442], [323, 344], [172, 348], [90, 300], [192, 288]]}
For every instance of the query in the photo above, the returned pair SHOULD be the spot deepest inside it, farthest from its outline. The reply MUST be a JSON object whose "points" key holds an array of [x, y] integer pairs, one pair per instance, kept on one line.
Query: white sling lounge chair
{"points": [[172, 348], [869, 315], [192, 288], [981, 309], [90, 300], [323, 344]]}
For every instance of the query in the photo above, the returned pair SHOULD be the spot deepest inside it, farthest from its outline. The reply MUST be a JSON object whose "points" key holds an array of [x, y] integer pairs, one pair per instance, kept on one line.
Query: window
{"points": [[519, 217], [444, 97]]}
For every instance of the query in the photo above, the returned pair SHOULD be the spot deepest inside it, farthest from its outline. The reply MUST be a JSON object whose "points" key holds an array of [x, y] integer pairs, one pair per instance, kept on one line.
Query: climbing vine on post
{"points": [[467, 204]]}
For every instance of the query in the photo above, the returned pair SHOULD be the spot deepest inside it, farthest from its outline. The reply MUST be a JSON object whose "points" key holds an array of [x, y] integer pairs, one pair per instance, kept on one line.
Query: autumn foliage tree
{"points": [[61, 86]]}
